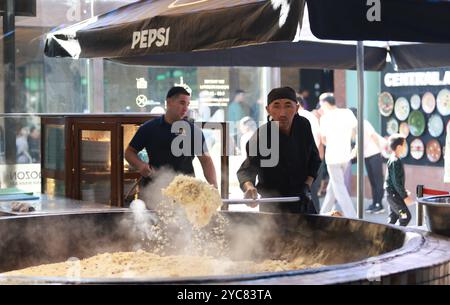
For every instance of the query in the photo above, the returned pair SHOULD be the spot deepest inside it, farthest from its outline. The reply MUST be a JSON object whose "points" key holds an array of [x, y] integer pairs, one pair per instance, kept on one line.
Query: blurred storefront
{"points": [[42, 85]]}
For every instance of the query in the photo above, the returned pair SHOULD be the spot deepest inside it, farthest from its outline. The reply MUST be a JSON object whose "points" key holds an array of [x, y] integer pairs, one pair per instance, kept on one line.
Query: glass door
{"points": [[53, 151], [96, 162]]}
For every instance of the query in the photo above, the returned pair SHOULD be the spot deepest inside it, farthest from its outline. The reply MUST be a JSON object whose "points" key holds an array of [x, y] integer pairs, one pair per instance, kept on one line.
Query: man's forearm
{"points": [[209, 170], [132, 158]]}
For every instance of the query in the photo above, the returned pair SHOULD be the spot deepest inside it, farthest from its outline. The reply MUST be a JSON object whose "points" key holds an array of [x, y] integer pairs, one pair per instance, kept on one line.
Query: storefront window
{"points": [[39, 85], [45, 85], [59, 85]]}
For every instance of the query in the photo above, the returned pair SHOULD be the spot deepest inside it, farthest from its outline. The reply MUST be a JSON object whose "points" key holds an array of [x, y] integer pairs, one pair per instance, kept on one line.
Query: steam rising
{"points": [[228, 243]]}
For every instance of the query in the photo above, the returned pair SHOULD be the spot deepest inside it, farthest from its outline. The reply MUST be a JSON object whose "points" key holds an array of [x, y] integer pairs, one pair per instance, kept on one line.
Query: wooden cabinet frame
{"points": [[73, 126], [76, 170]]}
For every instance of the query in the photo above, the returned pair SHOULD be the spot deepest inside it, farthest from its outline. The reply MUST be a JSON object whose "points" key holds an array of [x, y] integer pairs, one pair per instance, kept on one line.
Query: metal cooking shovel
{"points": [[136, 204], [261, 200]]}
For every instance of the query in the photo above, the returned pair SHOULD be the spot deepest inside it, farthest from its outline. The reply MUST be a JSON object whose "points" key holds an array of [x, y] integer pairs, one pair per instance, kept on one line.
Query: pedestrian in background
{"points": [[374, 165], [397, 196], [337, 127], [315, 128]]}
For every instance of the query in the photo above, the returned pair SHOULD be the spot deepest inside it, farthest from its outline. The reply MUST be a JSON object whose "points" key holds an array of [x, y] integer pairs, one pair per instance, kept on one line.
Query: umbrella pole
{"points": [[360, 112]]}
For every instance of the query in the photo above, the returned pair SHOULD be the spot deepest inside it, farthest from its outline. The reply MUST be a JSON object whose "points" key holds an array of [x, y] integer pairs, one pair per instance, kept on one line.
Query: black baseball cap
{"points": [[282, 93], [177, 90]]}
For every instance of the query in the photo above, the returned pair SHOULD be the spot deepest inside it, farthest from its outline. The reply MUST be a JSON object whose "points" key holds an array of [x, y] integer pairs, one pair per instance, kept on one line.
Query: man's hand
{"points": [[208, 169], [307, 192], [408, 200], [250, 192], [145, 170], [131, 155]]}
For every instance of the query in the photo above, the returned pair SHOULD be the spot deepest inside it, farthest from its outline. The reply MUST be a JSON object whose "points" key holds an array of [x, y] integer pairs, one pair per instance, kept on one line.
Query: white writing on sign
{"points": [[141, 83], [214, 84], [211, 87], [148, 38], [27, 177], [413, 79], [214, 81], [216, 90], [374, 12]]}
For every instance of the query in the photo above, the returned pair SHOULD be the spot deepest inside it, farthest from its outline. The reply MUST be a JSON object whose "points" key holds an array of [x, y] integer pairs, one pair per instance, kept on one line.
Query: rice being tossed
{"points": [[199, 199]]}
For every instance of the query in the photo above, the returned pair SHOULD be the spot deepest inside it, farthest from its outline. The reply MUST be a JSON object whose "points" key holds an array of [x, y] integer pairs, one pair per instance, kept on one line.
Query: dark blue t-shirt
{"points": [[175, 148]]}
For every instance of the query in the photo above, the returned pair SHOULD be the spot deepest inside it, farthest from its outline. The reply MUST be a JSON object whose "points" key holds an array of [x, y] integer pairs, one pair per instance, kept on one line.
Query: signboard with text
{"points": [[419, 108], [26, 177]]}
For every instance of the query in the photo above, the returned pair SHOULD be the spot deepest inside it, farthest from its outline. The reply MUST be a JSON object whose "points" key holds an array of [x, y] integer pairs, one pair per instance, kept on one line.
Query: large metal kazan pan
{"points": [[349, 248]]}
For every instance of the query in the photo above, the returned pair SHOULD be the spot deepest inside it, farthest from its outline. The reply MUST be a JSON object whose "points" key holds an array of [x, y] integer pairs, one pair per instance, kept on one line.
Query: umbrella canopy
{"points": [[426, 55], [401, 20], [166, 26], [305, 54], [209, 33]]}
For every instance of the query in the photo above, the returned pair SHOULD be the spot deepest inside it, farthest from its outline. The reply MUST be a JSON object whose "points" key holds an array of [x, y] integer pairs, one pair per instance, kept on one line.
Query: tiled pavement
{"points": [[379, 218]]}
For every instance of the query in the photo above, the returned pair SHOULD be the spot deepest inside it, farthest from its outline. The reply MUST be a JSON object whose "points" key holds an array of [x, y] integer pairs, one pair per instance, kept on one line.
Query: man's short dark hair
{"points": [[396, 140], [176, 91], [330, 100]]}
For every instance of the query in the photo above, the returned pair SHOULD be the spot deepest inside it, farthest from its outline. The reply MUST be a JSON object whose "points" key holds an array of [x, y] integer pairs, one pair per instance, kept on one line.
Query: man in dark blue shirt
{"points": [[171, 141]]}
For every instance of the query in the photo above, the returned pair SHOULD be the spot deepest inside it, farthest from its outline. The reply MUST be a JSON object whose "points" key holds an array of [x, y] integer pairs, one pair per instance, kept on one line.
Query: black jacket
{"points": [[298, 159]]}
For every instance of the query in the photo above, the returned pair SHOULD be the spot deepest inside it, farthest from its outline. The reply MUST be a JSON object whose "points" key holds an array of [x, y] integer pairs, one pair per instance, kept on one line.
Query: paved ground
{"points": [[382, 217]]}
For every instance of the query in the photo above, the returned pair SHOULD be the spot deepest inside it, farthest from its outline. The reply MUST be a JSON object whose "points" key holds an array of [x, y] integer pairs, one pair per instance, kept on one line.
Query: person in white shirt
{"points": [[374, 165], [313, 121], [247, 127], [315, 128], [337, 128]]}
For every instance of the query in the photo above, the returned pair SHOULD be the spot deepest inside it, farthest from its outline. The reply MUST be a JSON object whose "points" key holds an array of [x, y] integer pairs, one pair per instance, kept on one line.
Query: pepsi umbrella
{"points": [[207, 33], [152, 27]]}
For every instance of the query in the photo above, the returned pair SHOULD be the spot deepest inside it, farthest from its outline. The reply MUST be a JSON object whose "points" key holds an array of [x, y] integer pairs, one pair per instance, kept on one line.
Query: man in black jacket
{"points": [[292, 163]]}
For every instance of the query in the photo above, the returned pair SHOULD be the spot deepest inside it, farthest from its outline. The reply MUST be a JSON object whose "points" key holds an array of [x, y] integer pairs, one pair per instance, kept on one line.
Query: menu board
{"points": [[419, 108]]}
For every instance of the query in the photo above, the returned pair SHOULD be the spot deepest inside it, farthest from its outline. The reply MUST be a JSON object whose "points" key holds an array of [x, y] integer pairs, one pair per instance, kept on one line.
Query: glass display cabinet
{"points": [[83, 156]]}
